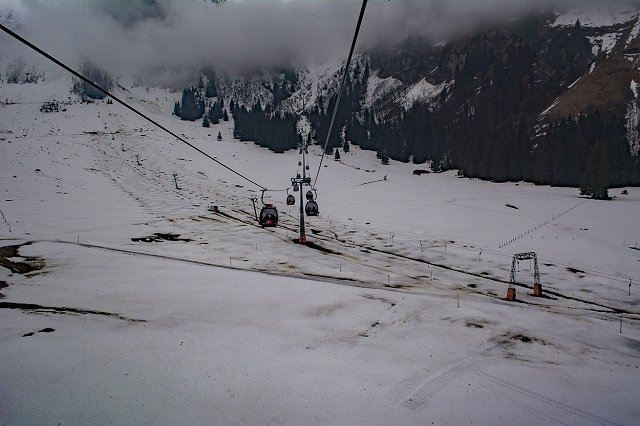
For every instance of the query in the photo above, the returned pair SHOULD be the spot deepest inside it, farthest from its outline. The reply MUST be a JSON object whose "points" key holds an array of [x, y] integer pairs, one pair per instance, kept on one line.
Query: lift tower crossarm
{"points": [[525, 256]]}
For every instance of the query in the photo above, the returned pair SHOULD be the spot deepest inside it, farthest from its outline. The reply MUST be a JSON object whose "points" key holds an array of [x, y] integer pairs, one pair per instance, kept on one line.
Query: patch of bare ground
{"points": [[607, 85], [35, 308], [29, 265], [159, 237], [509, 339]]}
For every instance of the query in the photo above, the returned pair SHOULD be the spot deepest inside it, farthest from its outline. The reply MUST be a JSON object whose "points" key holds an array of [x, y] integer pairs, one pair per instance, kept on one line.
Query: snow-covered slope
{"points": [[422, 92], [603, 15], [402, 312]]}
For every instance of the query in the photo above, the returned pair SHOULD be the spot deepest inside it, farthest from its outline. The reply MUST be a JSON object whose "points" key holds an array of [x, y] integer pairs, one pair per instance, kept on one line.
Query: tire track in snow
{"points": [[529, 394], [418, 389]]}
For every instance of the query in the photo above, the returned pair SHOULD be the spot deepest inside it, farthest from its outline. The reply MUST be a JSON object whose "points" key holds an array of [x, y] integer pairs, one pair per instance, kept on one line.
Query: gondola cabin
{"points": [[291, 200], [268, 216], [311, 208]]}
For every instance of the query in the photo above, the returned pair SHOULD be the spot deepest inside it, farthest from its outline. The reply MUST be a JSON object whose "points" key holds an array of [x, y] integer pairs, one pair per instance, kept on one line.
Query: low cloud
{"points": [[165, 41]]}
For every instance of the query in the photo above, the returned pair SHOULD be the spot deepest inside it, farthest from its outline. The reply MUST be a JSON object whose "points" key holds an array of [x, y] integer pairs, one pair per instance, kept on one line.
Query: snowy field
{"points": [[397, 315]]}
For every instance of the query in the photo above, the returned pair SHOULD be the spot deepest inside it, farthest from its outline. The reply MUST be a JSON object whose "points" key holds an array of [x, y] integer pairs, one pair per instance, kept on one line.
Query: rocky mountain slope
{"points": [[533, 100]]}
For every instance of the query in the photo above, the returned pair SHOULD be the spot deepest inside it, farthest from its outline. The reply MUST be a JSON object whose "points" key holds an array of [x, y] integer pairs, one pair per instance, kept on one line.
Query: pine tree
{"points": [[93, 73], [384, 158], [219, 136], [215, 112], [192, 108], [177, 110], [596, 179], [336, 156], [212, 89], [205, 121]]}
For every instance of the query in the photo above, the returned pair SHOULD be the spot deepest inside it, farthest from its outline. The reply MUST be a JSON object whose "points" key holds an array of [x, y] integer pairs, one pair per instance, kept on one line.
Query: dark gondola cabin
{"points": [[268, 216], [291, 200], [311, 208]]}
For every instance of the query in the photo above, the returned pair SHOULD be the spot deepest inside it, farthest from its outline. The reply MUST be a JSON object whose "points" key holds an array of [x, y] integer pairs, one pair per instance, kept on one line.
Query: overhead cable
{"points": [[344, 78], [115, 98]]}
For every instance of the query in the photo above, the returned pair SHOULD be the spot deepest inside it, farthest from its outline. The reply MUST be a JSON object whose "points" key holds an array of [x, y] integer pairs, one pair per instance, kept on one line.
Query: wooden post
{"points": [[511, 294]]}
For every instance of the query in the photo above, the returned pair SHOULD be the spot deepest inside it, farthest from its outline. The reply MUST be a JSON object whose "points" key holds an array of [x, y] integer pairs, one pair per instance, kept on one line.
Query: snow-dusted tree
{"points": [[212, 90], [97, 76], [192, 108]]}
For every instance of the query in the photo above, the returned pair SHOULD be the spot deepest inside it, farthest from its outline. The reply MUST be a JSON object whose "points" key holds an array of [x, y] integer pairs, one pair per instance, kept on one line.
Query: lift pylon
{"points": [[537, 286]]}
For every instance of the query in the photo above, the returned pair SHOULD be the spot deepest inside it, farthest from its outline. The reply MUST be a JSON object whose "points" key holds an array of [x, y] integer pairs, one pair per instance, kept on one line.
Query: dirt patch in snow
{"points": [[607, 84], [159, 237], [32, 307], [44, 330], [575, 270], [8, 255], [509, 339], [315, 246]]}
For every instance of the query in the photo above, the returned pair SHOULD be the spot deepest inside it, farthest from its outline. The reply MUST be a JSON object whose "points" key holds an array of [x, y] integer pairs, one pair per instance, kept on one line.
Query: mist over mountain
{"points": [[545, 91], [168, 42], [550, 98]]}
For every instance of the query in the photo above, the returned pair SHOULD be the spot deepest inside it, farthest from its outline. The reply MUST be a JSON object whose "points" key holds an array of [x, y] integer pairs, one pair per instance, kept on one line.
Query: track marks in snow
{"points": [[515, 392], [416, 390]]}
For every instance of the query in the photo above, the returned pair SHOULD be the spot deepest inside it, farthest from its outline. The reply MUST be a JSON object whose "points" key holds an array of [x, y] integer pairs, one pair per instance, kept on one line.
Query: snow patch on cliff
{"points": [[632, 118], [423, 92], [603, 43], [604, 15], [377, 88], [635, 31]]}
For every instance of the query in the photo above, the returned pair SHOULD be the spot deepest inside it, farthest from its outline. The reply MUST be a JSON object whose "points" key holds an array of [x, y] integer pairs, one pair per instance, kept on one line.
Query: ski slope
{"points": [[399, 318]]}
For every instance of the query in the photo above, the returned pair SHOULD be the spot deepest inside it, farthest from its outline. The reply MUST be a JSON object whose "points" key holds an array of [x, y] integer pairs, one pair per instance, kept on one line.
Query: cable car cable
{"points": [[344, 78], [115, 98]]}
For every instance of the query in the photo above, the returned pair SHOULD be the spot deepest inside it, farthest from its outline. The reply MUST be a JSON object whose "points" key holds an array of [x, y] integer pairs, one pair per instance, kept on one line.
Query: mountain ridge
{"points": [[526, 100]]}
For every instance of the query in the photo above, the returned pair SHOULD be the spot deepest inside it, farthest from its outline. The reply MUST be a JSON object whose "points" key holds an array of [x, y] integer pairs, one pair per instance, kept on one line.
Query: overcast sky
{"points": [[171, 38]]}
